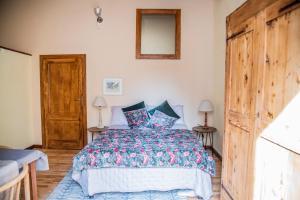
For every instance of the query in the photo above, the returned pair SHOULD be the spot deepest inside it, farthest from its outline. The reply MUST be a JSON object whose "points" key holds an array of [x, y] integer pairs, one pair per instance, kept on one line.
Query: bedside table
{"points": [[94, 130], [205, 133]]}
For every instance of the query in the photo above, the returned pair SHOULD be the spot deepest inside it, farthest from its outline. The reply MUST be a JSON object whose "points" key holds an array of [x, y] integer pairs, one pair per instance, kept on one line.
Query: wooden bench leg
{"points": [[33, 191], [27, 187]]}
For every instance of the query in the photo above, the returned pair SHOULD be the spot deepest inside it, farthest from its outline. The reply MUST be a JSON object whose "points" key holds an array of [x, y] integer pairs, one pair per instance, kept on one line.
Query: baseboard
{"points": [[216, 153], [35, 146]]}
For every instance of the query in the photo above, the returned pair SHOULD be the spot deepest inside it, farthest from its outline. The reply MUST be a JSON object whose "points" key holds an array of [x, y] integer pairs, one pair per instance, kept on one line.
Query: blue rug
{"points": [[68, 189]]}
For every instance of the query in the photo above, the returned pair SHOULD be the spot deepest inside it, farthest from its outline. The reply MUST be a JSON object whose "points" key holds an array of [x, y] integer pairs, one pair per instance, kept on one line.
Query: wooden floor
{"points": [[216, 181], [60, 162]]}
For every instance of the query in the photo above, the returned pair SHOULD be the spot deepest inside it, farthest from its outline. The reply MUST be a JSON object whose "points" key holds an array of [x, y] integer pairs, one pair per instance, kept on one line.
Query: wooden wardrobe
{"points": [[261, 147]]}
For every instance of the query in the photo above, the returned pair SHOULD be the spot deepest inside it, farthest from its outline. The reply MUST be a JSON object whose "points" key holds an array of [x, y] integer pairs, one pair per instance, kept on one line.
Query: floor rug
{"points": [[68, 189]]}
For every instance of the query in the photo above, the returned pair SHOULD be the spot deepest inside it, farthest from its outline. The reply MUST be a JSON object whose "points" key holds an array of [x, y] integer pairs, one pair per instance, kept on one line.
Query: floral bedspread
{"points": [[137, 148]]}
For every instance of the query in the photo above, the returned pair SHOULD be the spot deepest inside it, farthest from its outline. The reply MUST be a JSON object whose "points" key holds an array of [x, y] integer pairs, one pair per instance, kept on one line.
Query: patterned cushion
{"points": [[160, 120], [137, 118]]}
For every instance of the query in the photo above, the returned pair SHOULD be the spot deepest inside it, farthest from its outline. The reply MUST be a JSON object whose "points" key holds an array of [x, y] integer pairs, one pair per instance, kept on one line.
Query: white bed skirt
{"points": [[95, 181]]}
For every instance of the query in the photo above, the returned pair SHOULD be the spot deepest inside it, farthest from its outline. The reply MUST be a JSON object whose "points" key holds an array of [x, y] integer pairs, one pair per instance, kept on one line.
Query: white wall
{"points": [[69, 26], [16, 121], [222, 9]]}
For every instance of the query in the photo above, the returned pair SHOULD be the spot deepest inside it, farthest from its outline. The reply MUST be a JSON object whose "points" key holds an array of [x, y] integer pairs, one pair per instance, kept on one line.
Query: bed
{"points": [[136, 160]]}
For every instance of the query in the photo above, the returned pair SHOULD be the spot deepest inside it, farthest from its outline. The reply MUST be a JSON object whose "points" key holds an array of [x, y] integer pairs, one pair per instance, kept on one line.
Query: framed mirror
{"points": [[158, 33]]}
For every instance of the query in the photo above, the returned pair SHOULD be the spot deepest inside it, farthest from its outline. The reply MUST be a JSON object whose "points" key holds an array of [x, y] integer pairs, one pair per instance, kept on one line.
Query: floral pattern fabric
{"points": [[137, 118], [138, 148], [160, 120]]}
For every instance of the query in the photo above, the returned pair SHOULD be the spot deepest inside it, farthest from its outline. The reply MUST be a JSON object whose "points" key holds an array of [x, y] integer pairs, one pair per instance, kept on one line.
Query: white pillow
{"points": [[117, 117], [179, 126], [179, 111]]}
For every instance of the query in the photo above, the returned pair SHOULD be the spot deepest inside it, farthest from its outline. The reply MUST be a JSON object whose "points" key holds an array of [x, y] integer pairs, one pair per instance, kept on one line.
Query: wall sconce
{"points": [[98, 14]]}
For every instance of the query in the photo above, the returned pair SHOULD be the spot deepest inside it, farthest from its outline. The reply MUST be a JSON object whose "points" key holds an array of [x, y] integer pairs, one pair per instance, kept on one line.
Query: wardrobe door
{"points": [[240, 94], [278, 149], [282, 71]]}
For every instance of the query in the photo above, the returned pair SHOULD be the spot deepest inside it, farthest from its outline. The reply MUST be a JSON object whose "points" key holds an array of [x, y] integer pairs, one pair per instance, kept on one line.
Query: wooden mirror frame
{"points": [[139, 13]]}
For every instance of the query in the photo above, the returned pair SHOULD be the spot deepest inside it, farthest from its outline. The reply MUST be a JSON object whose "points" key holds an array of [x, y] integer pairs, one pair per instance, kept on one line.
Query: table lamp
{"points": [[99, 103], [205, 106]]}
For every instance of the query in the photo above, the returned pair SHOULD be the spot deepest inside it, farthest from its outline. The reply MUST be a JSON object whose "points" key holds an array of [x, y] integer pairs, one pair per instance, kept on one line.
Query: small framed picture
{"points": [[112, 86]]}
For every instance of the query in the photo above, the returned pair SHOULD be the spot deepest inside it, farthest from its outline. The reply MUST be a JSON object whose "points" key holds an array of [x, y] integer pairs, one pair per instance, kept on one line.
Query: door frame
{"points": [[83, 103]]}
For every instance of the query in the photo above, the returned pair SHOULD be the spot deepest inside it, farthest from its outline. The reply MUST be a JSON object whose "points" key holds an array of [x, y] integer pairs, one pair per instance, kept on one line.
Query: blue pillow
{"points": [[165, 108], [134, 107], [160, 120]]}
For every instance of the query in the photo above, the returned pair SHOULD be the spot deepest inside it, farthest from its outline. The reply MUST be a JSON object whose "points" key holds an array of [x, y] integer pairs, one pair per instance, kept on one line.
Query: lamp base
{"points": [[205, 120], [100, 126]]}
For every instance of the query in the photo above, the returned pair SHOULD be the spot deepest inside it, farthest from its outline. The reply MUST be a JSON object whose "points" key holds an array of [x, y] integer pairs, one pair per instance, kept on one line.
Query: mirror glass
{"points": [[158, 33]]}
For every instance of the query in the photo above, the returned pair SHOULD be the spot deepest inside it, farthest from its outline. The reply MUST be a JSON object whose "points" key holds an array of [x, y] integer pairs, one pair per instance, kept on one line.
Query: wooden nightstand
{"points": [[204, 133], [94, 130]]}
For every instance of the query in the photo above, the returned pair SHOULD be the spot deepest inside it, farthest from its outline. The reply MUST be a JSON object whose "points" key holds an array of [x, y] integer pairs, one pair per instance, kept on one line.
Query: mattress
{"points": [[95, 181]]}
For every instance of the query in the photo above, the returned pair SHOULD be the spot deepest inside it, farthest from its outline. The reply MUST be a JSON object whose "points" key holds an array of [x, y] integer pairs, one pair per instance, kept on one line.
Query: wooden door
{"points": [[278, 148], [240, 96], [63, 101], [282, 71]]}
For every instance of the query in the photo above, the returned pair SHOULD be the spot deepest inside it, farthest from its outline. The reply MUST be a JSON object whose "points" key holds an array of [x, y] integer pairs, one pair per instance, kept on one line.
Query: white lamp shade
{"points": [[99, 102], [206, 106]]}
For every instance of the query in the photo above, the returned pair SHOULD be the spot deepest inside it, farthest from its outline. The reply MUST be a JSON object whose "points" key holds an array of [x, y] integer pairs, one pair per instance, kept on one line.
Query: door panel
{"points": [[240, 92], [64, 91], [64, 130], [63, 101], [240, 86], [277, 172], [235, 168], [282, 72]]}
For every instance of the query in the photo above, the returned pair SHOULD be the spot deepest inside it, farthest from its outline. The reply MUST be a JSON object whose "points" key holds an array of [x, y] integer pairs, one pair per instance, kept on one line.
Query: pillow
{"points": [[137, 118], [134, 107], [165, 108], [160, 120], [179, 126], [179, 111], [117, 117]]}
